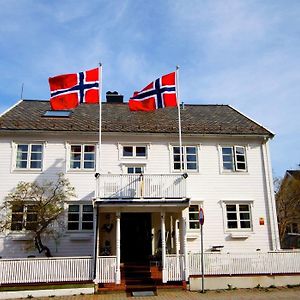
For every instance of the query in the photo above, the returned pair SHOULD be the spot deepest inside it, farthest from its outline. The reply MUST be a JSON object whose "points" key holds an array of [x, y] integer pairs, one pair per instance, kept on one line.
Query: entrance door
{"points": [[135, 237]]}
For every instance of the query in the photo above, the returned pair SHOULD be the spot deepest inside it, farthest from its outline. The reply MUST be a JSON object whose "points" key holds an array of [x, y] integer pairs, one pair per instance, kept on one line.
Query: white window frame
{"points": [[82, 152], [239, 228], [199, 205], [28, 161], [235, 162], [24, 214], [134, 146], [184, 159], [80, 220]]}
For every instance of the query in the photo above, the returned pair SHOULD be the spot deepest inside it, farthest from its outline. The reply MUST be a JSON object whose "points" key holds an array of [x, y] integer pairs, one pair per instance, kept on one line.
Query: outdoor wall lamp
{"points": [[97, 175], [185, 175]]}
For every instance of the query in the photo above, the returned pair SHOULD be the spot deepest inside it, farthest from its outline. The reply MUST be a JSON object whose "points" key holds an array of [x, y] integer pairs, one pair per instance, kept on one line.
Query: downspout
{"points": [[96, 244], [270, 195]]}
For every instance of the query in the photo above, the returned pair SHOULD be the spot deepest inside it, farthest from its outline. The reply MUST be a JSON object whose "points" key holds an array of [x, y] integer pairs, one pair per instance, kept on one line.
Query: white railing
{"points": [[58, 269], [106, 269], [141, 186], [248, 263], [175, 267]]}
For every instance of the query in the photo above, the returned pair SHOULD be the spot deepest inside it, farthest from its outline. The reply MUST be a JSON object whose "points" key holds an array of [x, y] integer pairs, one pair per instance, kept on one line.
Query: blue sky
{"points": [[244, 53]]}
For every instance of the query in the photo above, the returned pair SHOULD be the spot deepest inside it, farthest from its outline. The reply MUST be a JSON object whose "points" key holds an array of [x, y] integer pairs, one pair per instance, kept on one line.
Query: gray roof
{"points": [[27, 115]]}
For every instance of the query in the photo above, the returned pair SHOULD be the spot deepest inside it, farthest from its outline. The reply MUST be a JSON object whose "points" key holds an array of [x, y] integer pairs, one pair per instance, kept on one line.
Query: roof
{"points": [[27, 115], [294, 173]]}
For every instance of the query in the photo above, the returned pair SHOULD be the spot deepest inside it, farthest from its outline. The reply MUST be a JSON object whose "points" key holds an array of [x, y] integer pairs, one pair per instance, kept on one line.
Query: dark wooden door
{"points": [[135, 237]]}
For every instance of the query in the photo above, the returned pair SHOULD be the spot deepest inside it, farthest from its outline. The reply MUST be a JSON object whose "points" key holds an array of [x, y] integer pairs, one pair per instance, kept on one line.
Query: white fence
{"points": [[175, 267], [248, 263], [58, 269], [106, 269], [141, 186]]}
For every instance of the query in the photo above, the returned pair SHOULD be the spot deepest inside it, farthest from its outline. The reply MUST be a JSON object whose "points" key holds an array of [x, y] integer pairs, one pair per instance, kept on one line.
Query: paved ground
{"points": [[242, 294]]}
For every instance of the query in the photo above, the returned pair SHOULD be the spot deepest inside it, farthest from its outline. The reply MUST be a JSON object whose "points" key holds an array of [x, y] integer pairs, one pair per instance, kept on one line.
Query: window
{"points": [[80, 217], [189, 158], [234, 158], [82, 157], [23, 217], [29, 156], [194, 217], [134, 151], [238, 216], [135, 170]]}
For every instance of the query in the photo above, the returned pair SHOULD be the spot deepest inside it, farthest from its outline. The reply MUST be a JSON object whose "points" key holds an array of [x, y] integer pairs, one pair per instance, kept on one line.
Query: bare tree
{"points": [[37, 209], [287, 203]]}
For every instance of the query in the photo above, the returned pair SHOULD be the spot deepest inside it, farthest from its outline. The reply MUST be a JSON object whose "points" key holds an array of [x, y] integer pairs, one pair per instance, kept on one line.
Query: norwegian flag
{"points": [[158, 94], [69, 90]]}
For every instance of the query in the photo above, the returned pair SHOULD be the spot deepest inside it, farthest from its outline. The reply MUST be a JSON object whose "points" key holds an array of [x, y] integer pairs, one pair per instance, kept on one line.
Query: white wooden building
{"points": [[140, 206]]}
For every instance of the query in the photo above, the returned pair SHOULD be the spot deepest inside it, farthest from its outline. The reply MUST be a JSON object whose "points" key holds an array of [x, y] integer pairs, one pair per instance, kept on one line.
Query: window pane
{"points": [[244, 207], [240, 158], [36, 156], [177, 166], [176, 150], [191, 158], [194, 216], [245, 224], [18, 208], [194, 225], [177, 157], [191, 166], [239, 150], [89, 148], [87, 217], [76, 148], [16, 226], [22, 164], [73, 226], [193, 208], [130, 170], [87, 208], [73, 208], [73, 217], [89, 156], [241, 166], [75, 156], [75, 164], [35, 165], [227, 150], [140, 151], [17, 217], [231, 216], [244, 216], [227, 158], [89, 165], [36, 148], [87, 226], [127, 151], [22, 155], [230, 207], [227, 166], [23, 148], [191, 150], [232, 224]]}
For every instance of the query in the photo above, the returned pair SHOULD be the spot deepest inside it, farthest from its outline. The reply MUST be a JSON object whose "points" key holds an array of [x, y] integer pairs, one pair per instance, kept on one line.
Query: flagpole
{"points": [[179, 115], [100, 119]]}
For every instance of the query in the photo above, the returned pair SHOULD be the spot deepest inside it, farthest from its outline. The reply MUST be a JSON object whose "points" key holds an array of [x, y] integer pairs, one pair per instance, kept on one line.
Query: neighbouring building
{"points": [[141, 206]]}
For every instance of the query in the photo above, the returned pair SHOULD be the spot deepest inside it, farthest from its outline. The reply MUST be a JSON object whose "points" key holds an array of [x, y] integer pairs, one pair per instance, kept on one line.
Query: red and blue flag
{"points": [[158, 94], [69, 90]]}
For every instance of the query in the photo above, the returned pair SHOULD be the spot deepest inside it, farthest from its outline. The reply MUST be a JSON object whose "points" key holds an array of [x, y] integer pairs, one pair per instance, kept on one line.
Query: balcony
{"points": [[141, 186]]}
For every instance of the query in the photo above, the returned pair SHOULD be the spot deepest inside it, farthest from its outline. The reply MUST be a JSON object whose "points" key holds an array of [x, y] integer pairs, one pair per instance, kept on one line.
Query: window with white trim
{"points": [[194, 216], [80, 217], [234, 158], [134, 151], [82, 157], [23, 216], [189, 158], [29, 156], [135, 169], [238, 216]]}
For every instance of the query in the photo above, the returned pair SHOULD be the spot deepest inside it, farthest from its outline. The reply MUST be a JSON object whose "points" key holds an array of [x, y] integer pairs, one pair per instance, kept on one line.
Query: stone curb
{"points": [[45, 293]]}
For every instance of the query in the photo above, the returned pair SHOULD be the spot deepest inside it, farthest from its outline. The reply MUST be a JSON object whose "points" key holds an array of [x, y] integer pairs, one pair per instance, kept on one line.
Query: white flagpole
{"points": [[179, 116], [100, 118]]}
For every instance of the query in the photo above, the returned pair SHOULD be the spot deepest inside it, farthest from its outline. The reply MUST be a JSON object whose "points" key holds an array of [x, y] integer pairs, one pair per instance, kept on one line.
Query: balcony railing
{"points": [[133, 186]]}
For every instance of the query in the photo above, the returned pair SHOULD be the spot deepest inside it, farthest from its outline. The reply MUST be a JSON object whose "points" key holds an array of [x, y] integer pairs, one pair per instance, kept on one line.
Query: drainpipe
{"points": [[163, 246], [96, 212], [118, 247], [270, 196]]}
